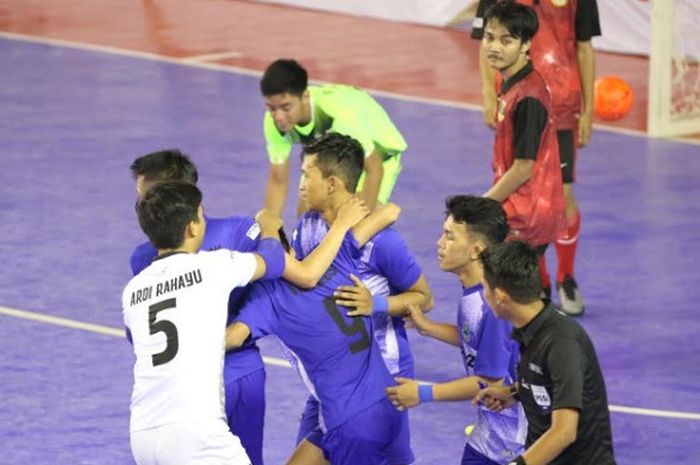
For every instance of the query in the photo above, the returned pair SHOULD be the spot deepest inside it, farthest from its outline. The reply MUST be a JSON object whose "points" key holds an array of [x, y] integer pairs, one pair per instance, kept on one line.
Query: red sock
{"points": [[544, 275], [566, 248]]}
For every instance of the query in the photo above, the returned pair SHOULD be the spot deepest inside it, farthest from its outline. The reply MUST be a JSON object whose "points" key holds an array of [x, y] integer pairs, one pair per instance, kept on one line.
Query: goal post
{"points": [[674, 69]]}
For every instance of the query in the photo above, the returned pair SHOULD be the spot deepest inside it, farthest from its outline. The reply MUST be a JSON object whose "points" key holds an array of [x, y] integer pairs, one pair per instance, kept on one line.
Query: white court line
{"points": [[75, 324], [194, 62], [212, 57]]}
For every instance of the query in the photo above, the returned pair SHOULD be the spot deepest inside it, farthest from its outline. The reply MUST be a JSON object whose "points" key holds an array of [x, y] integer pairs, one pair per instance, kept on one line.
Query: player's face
{"points": [[455, 246], [313, 188], [504, 52], [287, 110]]}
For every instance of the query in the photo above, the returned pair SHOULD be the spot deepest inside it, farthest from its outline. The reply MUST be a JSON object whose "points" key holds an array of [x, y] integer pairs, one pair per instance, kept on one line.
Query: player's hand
{"points": [[270, 223], [415, 318], [357, 297], [351, 212], [494, 397], [585, 127], [490, 108], [390, 211], [404, 395]]}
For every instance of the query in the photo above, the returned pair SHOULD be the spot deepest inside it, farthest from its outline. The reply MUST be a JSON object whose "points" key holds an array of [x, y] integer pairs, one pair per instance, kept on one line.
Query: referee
{"points": [[560, 384]]}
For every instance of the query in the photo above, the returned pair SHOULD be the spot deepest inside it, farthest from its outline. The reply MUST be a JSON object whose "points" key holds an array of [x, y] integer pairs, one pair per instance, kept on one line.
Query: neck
{"points": [[330, 212], [470, 275], [306, 114], [510, 71], [522, 314]]}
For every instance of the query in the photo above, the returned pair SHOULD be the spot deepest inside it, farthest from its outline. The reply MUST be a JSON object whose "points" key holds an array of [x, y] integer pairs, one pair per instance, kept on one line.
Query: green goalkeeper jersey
{"points": [[342, 109]]}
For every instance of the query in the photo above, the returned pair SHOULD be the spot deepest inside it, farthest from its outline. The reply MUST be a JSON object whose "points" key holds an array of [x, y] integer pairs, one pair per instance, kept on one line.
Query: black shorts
{"points": [[567, 155]]}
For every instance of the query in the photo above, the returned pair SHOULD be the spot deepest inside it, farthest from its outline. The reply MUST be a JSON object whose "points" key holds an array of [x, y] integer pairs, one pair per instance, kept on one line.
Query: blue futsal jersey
{"points": [[489, 351], [338, 359], [238, 233], [386, 267]]}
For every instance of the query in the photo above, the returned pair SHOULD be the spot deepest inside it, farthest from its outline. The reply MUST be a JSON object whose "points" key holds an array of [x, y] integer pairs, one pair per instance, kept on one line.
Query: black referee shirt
{"points": [[559, 369]]}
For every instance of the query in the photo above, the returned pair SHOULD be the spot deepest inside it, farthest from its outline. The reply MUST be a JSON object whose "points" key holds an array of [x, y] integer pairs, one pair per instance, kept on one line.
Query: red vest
{"points": [[536, 209], [553, 53]]}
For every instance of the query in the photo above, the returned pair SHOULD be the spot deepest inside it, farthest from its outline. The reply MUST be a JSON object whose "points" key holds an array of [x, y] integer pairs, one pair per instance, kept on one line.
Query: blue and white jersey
{"points": [[239, 233], [386, 267], [489, 351], [337, 358]]}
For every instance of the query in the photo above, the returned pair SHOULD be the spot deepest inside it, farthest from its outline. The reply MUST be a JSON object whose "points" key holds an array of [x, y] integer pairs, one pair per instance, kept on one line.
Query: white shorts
{"points": [[201, 443]]}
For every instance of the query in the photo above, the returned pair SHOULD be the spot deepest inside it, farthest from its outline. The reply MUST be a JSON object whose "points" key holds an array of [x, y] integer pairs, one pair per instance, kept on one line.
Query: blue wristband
{"points": [[272, 252], [380, 304], [425, 393]]}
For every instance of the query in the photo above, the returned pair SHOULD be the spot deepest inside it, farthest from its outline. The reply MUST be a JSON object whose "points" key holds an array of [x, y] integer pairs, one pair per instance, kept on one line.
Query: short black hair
{"points": [[284, 76], [165, 165], [520, 20], [338, 155], [166, 209], [514, 267], [482, 216]]}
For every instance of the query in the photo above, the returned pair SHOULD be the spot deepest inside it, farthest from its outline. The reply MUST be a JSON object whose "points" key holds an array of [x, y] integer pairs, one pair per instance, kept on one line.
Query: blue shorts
{"points": [[471, 457], [245, 412], [366, 438]]}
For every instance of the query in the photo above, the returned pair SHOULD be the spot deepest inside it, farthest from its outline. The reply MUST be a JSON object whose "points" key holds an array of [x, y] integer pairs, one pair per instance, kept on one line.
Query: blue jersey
{"points": [[386, 267], [238, 233], [489, 351], [338, 358]]}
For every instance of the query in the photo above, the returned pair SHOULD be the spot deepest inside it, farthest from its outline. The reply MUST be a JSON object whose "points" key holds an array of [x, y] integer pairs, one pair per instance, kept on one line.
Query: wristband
{"points": [[519, 460], [272, 253], [380, 304], [425, 393]]}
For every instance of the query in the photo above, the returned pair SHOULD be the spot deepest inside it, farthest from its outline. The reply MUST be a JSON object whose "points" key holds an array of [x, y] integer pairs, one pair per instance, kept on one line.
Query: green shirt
{"points": [[342, 109]]}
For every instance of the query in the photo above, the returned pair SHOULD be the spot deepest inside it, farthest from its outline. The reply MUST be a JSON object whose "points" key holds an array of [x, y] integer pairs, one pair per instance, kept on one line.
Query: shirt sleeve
{"points": [[530, 121], [238, 267], [278, 146], [142, 257], [244, 234], [566, 368], [493, 356], [478, 24], [394, 261], [258, 312], [587, 22]]}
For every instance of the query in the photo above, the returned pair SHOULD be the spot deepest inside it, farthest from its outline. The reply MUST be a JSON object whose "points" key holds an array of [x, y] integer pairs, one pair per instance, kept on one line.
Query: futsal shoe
{"points": [[570, 297]]}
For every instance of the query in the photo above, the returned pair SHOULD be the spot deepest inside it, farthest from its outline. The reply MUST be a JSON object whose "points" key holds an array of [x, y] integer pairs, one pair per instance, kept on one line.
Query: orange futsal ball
{"points": [[612, 97]]}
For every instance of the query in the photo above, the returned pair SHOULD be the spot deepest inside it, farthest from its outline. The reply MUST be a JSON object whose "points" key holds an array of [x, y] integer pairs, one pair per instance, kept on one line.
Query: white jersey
{"points": [[176, 312]]}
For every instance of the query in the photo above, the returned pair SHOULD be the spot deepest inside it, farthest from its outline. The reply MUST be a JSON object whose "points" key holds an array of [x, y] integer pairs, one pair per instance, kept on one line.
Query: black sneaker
{"points": [[570, 297]]}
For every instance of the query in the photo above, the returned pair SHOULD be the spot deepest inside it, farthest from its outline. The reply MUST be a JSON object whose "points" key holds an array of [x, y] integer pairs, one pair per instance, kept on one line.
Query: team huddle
{"points": [[338, 293]]}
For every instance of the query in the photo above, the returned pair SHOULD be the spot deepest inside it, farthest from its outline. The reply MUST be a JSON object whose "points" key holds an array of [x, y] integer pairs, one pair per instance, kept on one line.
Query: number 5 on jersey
{"points": [[168, 327]]}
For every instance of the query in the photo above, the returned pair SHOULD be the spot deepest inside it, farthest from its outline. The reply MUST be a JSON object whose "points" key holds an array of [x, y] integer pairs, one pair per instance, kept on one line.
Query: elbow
{"points": [[307, 283], [428, 303]]}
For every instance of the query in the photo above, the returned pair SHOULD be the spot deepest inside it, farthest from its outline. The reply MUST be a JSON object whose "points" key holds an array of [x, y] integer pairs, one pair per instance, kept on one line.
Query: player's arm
{"points": [[488, 87], [269, 255], [441, 331], [586, 70], [277, 187], [364, 303], [381, 217], [374, 173], [530, 122], [236, 335], [488, 74], [408, 393], [306, 273], [558, 437], [278, 149]]}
